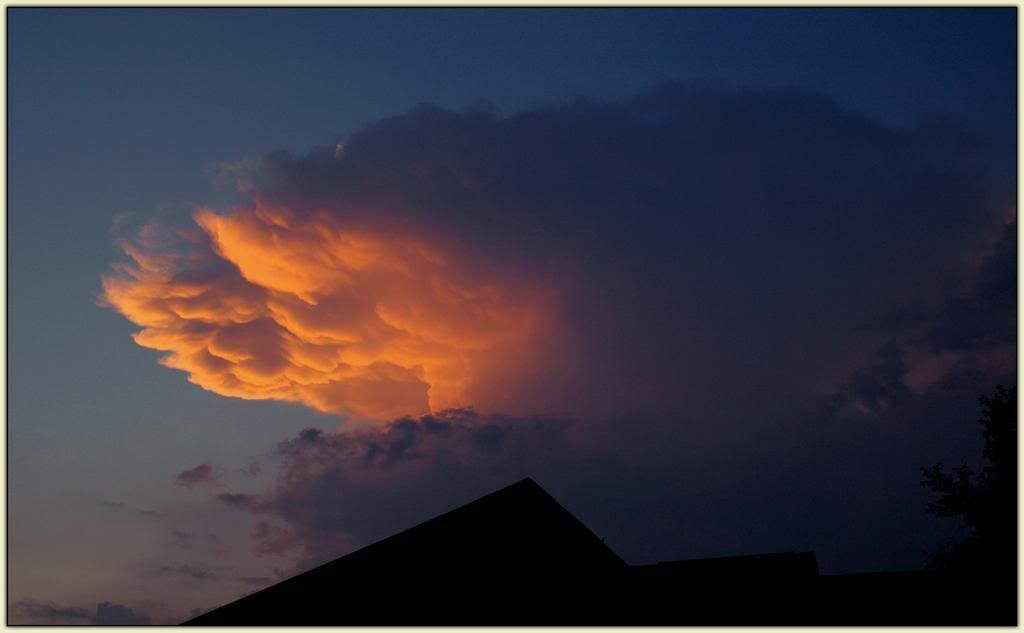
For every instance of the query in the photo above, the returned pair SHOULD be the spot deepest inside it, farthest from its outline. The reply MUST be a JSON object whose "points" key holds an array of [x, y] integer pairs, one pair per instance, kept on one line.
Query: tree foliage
{"points": [[985, 501]]}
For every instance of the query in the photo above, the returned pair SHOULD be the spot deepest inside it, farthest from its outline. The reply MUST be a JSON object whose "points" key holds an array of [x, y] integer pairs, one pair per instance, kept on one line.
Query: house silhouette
{"points": [[517, 557]]}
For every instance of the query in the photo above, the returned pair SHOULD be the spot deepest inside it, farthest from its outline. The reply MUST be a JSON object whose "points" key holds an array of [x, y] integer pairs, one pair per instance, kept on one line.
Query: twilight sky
{"points": [[285, 282]]}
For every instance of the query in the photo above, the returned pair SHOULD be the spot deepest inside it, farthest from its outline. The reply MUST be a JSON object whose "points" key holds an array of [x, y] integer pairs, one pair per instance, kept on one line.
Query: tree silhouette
{"points": [[985, 502]]}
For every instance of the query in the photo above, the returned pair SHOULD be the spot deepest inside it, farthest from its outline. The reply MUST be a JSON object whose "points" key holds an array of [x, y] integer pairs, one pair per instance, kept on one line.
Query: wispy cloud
{"points": [[201, 475], [31, 611], [121, 506], [256, 581], [104, 614], [193, 572], [208, 544], [237, 499]]}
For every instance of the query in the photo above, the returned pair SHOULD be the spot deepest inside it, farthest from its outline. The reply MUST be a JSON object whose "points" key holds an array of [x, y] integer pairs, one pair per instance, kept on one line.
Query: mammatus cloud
{"points": [[260, 303]]}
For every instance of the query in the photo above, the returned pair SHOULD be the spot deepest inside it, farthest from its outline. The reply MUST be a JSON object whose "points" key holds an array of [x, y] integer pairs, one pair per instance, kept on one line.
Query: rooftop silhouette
{"points": [[517, 557]]}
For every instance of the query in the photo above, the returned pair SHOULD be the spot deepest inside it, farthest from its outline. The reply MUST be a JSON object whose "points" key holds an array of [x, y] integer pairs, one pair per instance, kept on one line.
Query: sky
{"points": [[283, 282]]}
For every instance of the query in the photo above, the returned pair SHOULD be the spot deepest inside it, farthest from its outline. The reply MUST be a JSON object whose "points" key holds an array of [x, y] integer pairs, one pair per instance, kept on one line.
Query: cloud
{"points": [[983, 317], [201, 475], [764, 310], [874, 389], [344, 318], [256, 581], [236, 500], [969, 338], [105, 613], [317, 507], [118, 505], [581, 259], [209, 544], [187, 571], [841, 479], [31, 611], [183, 539], [108, 613], [912, 405], [972, 331]]}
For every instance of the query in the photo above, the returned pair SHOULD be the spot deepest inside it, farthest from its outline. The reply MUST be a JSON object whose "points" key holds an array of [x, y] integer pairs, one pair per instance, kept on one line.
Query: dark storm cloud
{"points": [[317, 508], [973, 331], [873, 389], [813, 484], [773, 311], [986, 316], [913, 405], [695, 233], [408, 439]]}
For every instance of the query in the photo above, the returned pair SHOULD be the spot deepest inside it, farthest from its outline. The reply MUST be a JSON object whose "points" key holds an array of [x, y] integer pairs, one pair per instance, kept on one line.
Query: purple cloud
{"points": [[104, 614], [108, 613], [312, 511], [237, 500], [201, 475], [193, 572], [256, 581]]}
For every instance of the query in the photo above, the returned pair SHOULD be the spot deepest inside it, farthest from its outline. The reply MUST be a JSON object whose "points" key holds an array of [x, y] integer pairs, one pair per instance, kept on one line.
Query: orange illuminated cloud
{"points": [[262, 304]]}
